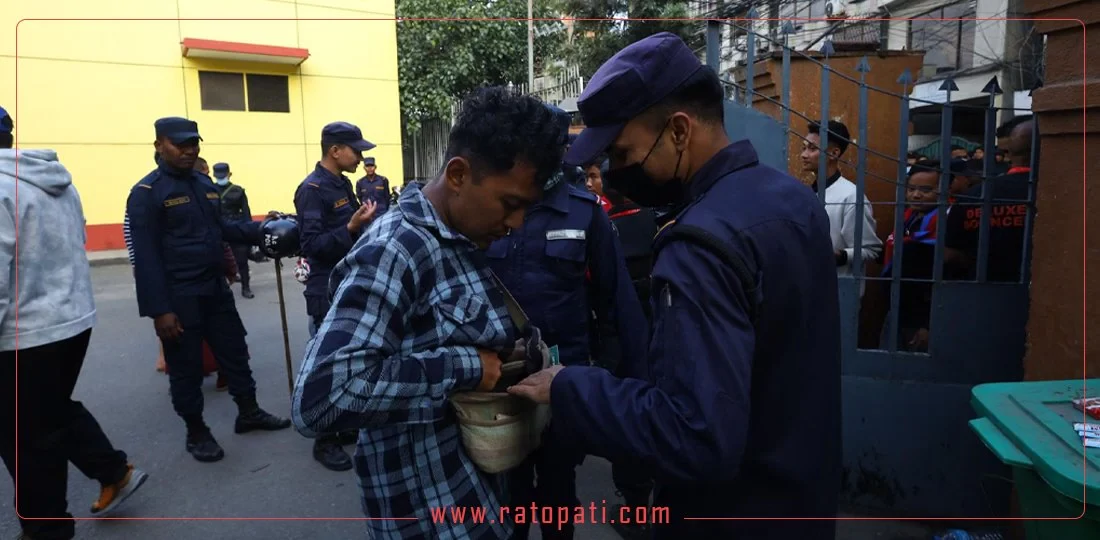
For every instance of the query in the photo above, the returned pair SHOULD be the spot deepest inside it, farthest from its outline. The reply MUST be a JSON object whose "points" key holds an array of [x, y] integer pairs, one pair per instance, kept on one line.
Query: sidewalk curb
{"points": [[109, 261]]}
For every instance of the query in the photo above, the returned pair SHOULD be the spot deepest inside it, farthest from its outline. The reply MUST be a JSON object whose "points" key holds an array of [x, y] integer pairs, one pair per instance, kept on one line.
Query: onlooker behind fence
{"points": [[918, 256], [840, 198], [1008, 214]]}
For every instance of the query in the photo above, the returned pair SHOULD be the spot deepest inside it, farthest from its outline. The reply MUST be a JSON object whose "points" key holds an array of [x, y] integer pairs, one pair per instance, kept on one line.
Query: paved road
{"points": [[264, 475]]}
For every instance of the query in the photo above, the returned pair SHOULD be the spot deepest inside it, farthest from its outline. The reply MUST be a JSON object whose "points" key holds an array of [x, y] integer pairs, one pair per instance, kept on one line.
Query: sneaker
{"points": [[203, 447], [259, 419], [247, 293], [110, 496]]}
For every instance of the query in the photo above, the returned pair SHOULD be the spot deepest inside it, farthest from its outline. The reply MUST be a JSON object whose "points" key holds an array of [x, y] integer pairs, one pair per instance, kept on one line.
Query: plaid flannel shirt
{"points": [[411, 302]]}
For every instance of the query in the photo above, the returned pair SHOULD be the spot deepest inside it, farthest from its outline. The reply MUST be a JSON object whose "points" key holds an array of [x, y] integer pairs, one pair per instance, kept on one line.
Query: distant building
{"points": [[970, 51], [260, 90]]}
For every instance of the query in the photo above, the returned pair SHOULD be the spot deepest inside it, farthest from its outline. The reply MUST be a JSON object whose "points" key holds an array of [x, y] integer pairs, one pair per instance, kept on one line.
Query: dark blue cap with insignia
{"points": [[345, 133], [635, 79], [176, 129], [368, 161], [3, 127], [221, 169]]}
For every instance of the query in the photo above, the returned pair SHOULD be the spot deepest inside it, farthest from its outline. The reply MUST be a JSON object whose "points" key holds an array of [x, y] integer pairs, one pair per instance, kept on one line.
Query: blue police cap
{"points": [[563, 119], [4, 114], [345, 133], [635, 79], [221, 169], [176, 129], [368, 161]]}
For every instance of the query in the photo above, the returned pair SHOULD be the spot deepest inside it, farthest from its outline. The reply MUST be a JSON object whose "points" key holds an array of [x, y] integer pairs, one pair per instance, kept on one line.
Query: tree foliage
{"points": [[440, 60], [596, 41]]}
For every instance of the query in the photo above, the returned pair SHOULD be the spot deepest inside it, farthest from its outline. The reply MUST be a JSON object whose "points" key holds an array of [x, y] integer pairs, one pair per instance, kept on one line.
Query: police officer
{"points": [[331, 219], [373, 187], [636, 226], [234, 202], [177, 231], [740, 415], [544, 264]]}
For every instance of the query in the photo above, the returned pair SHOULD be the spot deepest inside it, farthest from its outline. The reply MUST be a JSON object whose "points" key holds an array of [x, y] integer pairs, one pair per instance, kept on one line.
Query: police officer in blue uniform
{"points": [[564, 238], [740, 415], [235, 209], [177, 233], [373, 187], [331, 219]]}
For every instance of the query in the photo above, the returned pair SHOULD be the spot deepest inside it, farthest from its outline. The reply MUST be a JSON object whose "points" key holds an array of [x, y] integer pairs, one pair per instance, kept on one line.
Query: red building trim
{"points": [[108, 236], [195, 44]]}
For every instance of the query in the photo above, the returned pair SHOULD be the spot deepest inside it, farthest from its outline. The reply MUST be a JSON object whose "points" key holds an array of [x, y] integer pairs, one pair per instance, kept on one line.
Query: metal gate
{"points": [[908, 450]]}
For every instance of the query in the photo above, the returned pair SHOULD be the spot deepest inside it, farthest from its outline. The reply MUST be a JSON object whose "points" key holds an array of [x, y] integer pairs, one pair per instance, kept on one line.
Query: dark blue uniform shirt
{"points": [[177, 232], [738, 418], [375, 189], [325, 203], [544, 264]]}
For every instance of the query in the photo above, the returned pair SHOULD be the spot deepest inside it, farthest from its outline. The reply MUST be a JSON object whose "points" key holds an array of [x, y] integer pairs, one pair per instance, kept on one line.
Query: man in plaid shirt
{"points": [[415, 318]]}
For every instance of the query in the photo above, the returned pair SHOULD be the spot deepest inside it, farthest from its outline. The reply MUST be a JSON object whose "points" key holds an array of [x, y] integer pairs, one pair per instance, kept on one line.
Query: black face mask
{"points": [[635, 184]]}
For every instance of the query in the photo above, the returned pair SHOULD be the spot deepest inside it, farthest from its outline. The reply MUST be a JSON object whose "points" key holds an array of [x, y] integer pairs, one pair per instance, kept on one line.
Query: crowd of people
{"points": [[687, 290], [960, 224]]}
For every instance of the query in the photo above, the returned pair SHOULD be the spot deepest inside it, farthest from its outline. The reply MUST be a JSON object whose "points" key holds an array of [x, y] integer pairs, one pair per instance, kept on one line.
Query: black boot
{"points": [[246, 291], [251, 417], [201, 443], [632, 531], [327, 452]]}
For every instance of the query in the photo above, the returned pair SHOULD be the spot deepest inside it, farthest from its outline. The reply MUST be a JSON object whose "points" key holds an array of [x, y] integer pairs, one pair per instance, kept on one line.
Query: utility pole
{"points": [[530, 47]]}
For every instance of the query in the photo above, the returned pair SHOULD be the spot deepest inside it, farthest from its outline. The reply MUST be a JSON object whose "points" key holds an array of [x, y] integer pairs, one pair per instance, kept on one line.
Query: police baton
{"points": [[282, 315]]}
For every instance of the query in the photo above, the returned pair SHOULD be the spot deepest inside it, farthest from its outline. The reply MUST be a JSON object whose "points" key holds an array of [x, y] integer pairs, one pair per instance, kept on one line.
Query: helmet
{"points": [[281, 236]]}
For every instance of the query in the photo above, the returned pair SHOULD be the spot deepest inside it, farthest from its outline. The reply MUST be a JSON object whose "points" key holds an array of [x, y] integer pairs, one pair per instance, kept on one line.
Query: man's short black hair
{"points": [[1006, 128], [957, 147], [701, 95], [200, 163], [929, 166], [838, 134], [7, 140], [498, 127], [595, 162]]}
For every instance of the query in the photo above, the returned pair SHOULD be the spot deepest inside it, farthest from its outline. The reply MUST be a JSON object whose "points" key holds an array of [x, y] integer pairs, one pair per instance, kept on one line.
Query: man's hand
{"points": [[490, 369], [536, 387], [362, 216], [168, 326]]}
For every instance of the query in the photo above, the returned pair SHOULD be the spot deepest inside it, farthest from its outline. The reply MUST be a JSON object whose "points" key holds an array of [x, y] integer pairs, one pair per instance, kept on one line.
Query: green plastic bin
{"points": [[1029, 426]]}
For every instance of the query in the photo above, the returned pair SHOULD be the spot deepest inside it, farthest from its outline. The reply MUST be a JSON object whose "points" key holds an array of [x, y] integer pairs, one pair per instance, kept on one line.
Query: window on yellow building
{"points": [[224, 91]]}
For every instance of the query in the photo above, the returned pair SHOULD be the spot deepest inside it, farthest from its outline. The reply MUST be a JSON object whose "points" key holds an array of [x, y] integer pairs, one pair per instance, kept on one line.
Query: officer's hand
{"points": [[362, 216], [168, 326], [490, 369], [536, 387]]}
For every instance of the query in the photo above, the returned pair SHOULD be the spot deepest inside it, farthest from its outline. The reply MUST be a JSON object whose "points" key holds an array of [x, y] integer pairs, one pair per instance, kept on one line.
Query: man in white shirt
{"points": [[840, 198]]}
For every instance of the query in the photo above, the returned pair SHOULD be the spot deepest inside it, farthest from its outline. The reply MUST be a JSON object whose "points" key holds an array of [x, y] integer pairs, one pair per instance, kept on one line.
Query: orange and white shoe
{"points": [[110, 496]]}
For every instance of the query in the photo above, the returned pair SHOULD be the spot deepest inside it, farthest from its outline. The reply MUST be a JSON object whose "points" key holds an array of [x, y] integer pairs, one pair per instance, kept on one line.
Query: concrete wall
{"points": [[92, 89], [1064, 310]]}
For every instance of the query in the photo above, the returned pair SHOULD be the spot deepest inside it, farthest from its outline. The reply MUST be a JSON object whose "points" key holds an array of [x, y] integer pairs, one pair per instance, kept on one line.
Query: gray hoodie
{"points": [[54, 282]]}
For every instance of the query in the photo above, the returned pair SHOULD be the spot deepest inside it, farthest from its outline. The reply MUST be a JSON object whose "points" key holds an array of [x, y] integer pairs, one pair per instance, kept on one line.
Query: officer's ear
{"points": [[680, 127], [457, 173]]}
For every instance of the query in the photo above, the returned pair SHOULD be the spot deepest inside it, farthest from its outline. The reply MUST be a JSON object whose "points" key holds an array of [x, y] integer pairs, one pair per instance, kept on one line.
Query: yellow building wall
{"points": [[92, 89]]}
